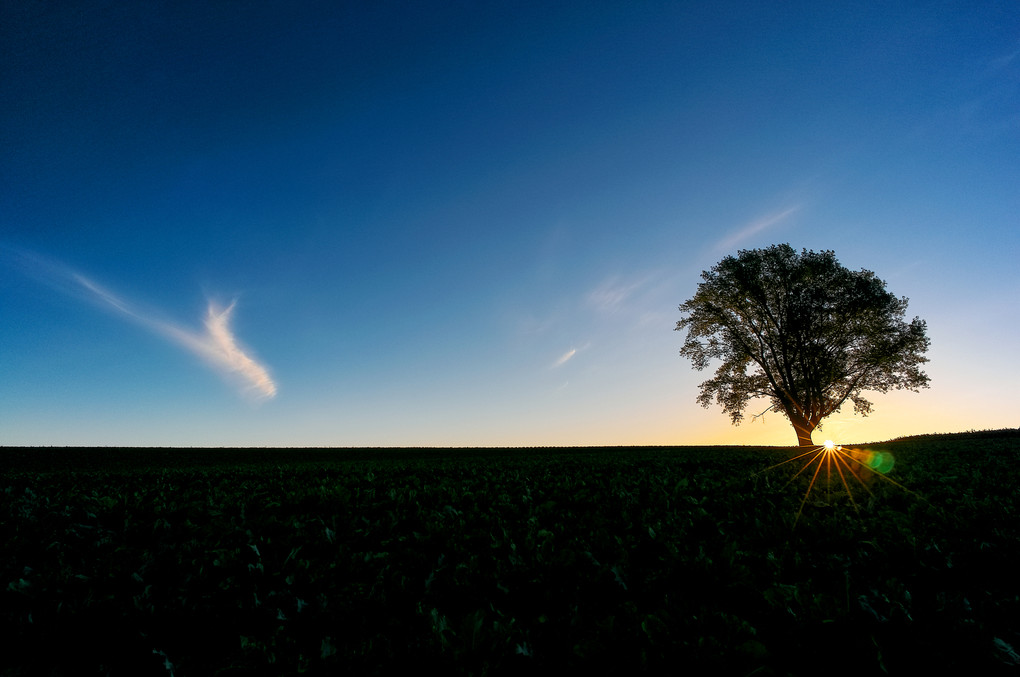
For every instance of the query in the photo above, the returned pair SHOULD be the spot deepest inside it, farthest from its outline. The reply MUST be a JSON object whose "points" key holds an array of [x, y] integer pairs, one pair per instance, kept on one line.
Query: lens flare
{"points": [[853, 462]]}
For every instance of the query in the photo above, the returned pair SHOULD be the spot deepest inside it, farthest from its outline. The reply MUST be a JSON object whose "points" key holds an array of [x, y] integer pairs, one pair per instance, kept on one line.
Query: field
{"points": [[501, 561]]}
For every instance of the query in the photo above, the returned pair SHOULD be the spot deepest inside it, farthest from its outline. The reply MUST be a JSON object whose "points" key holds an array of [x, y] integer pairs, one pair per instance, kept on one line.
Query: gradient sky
{"points": [[450, 223]]}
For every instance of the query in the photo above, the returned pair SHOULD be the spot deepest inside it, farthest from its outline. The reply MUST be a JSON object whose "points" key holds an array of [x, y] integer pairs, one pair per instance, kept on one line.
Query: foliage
{"points": [[486, 562], [801, 331]]}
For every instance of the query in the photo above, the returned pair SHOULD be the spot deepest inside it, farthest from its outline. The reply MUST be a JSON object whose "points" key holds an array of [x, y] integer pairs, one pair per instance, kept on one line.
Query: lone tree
{"points": [[801, 331]]}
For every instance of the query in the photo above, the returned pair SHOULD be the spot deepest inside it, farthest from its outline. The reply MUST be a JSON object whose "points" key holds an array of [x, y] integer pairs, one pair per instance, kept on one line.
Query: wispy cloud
{"points": [[1004, 60], [569, 355], [610, 296], [565, 357], [754, 227], [220, 349], [216, 346]]}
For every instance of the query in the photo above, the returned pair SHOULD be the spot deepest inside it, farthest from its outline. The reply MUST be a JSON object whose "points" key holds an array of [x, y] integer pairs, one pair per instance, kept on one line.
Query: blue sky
{"points": [[472, 223]]}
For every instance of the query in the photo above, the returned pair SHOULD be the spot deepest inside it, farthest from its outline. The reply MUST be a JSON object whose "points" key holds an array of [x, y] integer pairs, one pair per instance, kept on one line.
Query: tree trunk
{"points": [[803, 428]]}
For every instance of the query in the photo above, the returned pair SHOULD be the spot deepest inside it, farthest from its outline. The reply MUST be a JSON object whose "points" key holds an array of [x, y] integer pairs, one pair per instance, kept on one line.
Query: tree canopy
{"points": [[801, 331]]}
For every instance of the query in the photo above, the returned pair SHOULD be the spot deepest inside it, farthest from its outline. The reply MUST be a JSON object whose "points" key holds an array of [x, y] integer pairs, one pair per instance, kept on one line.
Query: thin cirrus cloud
{"points": [[219, 348], [569, 355], [610, 296], [216, 346], [754, 228], [565, 357]]}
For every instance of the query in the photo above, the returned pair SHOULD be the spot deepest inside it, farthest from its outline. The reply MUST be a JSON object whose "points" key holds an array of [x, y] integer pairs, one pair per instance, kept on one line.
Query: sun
{"points": [[846, 462]]}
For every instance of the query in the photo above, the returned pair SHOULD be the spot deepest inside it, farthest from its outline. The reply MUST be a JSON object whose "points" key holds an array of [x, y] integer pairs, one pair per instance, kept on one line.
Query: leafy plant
{"points": [[143, 562]]}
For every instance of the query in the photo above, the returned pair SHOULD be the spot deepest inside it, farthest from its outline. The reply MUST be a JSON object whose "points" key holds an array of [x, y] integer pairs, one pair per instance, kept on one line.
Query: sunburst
{"points": [[845, 461]]}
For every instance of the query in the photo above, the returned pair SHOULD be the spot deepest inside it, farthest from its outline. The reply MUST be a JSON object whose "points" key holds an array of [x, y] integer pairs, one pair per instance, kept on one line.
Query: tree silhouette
{"points": [[802, 331]]}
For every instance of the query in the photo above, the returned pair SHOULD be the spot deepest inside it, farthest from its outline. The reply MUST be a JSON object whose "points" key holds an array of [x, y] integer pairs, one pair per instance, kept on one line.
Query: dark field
{"points": [[504, 561]]}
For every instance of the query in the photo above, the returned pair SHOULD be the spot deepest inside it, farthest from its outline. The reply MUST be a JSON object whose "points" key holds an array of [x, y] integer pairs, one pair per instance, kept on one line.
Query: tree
{"points": [[801, 331]]}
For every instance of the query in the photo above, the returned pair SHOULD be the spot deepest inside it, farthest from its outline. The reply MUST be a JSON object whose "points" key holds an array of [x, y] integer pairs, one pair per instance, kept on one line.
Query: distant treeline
{"points": [[969, 435]]}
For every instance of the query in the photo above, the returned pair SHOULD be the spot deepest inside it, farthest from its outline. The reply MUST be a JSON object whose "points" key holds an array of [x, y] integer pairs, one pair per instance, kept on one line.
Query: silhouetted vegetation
{"points": [[801, 331], [498, 561]]}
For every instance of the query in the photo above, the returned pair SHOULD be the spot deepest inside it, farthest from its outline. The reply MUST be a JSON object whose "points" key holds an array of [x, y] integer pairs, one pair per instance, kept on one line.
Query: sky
{"points": [[472, 224]]}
